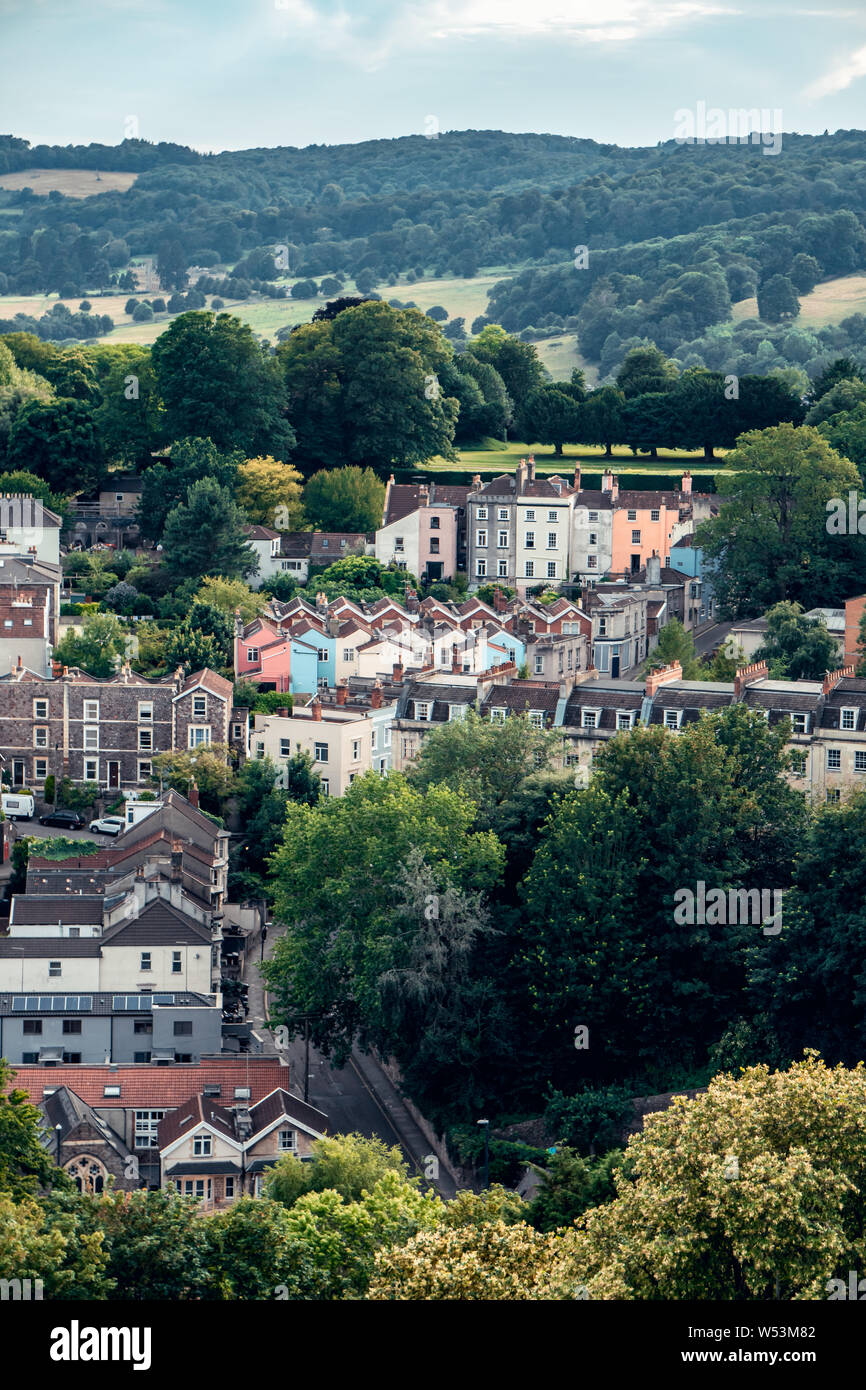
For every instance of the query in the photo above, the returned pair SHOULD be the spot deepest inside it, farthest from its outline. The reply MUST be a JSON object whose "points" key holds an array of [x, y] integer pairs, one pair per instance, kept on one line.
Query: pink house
{"points": [[263, 654]]}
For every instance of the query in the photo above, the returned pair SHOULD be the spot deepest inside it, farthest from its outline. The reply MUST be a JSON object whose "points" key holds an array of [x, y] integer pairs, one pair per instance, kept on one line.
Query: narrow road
{"points": [[711, 637], [357, 1098]]}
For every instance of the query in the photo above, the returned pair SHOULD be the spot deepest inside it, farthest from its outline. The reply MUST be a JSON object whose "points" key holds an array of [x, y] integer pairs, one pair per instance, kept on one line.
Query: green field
{"points": [[828, 303], [560, 356], [590, 457]]}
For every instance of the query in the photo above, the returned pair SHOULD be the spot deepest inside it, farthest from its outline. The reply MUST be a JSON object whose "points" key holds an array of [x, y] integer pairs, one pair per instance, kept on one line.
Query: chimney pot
{"points": [[192, 796], [398, 673], [376, 696], [316, 709], [342, 693]]}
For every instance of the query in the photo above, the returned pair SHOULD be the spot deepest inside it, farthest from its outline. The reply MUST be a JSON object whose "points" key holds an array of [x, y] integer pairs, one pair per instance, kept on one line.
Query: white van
{"points": [[18, 805]]}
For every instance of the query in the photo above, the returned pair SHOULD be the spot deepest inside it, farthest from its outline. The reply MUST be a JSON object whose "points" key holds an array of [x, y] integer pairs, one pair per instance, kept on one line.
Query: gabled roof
{"points": [[158, 924], [207, 680], [281, 1105], [260, 533], [191, 1115]]}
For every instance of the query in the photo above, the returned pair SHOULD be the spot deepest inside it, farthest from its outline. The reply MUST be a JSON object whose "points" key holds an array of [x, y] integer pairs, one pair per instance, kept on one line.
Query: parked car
{"points": [[65, 820], [107, 825], [18, 806]]}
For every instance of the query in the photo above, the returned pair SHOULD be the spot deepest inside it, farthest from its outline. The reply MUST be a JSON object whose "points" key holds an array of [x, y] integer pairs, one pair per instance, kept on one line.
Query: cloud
{"points": [[840, 77], [619, 20], [381, 32]]}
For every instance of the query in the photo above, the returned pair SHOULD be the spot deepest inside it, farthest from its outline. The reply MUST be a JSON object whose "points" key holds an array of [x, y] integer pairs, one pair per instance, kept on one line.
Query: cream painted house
{"points": [[345, 738]]}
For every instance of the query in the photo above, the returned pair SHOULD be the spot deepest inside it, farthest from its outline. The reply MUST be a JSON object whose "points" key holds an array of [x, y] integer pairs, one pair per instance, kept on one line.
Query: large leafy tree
{"points": [[363, 388], [128, 415], [488, 763], [334, 881], [25, 1166], [262, 792], [204, 535], [166, 484], [215, 380], [750, 1191], [60, 442], [97, 649], [344, 499], [270, 493], [600, 946], [797, 648], [807, 984], [770, 540]]}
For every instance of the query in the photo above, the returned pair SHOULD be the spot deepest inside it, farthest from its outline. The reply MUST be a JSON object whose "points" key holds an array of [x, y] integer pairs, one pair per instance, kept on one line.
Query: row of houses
{"points": [[520, 529], [210, 1128], [381, 725], [108, 731]]}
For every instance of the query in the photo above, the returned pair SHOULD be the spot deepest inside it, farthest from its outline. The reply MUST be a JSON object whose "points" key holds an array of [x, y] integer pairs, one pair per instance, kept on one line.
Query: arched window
{"points": [[87, 1173]]}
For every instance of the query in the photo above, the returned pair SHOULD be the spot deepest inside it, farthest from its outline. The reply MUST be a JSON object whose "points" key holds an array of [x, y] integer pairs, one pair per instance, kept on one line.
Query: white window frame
{"points": [[318, 755], [40, 709], [847, 710], [199, 735], [91, 769], [40, 738], [145, 711], [199, 706], [90, 712], [91, 738]]}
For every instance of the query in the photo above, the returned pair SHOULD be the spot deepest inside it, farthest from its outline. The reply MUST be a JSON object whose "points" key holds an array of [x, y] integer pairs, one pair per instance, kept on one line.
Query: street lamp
{"points": [[486, 1124]]}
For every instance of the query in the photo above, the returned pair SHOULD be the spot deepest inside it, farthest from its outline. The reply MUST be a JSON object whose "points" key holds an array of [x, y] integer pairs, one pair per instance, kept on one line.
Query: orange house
{"points": [[646, 523]]}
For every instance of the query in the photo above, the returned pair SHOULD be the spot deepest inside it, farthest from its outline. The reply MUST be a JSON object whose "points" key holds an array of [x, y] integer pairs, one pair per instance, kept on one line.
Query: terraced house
{"points": [[106, 731]]}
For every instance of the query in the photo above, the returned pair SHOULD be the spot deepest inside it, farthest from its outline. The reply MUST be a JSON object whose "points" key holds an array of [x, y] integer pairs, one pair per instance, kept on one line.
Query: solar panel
{"points": [[85, 1002], [19, 1004], [45, 1002], [141, 1001], [32, 1002], [59, 1003], [163, 998], [119, 1001]]}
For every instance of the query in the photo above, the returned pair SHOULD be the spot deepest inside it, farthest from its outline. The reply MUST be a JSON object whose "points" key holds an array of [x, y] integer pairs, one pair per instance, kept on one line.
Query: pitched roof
{"points": [[209, 680], [198, 1109], [279, 1103], [42, 909], [153, 1086], [260, 533], [158, 924]]}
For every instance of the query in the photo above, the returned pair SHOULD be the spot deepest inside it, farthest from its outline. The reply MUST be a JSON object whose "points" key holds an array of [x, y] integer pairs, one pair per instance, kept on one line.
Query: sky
{"points": [[231, 74]]}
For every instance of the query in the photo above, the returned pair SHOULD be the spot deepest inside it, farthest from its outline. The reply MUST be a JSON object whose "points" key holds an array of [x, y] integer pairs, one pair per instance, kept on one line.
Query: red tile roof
{"points": [[156, 1087]]}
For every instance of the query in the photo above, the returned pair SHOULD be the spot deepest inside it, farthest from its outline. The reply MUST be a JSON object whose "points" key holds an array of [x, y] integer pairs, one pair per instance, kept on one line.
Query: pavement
{"points": [[357, 1098]]}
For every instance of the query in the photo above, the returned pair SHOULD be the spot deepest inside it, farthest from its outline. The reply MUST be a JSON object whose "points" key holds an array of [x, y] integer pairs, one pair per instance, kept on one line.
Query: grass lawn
{"points": [[74, 183], [505, 460], [560, 356], [827, 303]]}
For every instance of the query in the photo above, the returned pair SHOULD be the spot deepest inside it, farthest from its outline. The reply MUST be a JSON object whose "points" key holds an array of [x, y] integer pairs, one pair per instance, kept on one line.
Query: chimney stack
{"points": [[606, 480], [577, 477], [614, 488], [500, 602], [284, 713], [398, 672], [376, 695], [686, 483], [424, 495], [192, 794], [342, 693], [531, 469], [521, 475], [832, 678], [316, 708], [56, 669], [749, 675], [476, 480], [664, 676], [654, 569], [456, 663]]}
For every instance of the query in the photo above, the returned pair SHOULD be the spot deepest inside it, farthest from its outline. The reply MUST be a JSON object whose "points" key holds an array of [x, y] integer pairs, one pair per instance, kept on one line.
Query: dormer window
{"points": [[672, 718], [848, 719], [497, 716], [799, 723], [624, 719], [589, 720]]}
